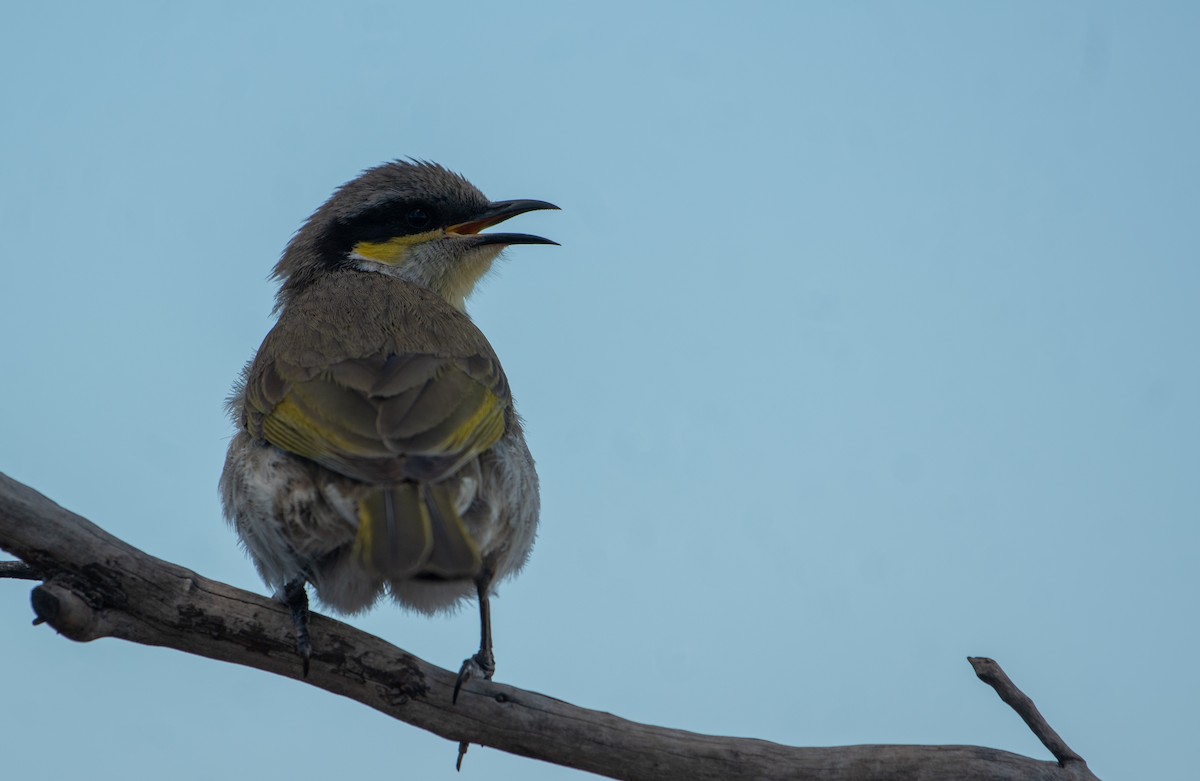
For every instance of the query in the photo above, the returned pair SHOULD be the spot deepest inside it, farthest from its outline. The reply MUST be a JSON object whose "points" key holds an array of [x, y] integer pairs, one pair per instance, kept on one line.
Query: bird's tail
{"points": [[414, 529]]}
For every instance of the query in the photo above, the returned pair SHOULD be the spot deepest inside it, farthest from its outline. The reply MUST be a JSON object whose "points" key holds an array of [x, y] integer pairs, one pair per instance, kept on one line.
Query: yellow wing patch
{"points": [[482, 430], [380, 421]]}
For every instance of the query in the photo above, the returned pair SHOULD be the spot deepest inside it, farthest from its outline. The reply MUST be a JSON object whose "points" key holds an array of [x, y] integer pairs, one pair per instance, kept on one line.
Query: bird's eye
{"points": [[418, 218]]}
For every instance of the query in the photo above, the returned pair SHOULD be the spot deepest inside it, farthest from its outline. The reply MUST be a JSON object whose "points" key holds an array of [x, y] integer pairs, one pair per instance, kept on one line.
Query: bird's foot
{"points": [[295, 596], [481, 665]]}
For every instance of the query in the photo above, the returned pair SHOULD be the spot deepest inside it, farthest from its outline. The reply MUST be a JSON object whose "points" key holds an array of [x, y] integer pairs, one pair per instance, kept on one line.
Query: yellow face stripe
{"points": [[392, 251]]}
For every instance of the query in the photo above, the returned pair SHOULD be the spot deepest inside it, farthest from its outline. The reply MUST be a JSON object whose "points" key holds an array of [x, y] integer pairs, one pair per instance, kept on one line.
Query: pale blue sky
{"points": [[871, 344]]}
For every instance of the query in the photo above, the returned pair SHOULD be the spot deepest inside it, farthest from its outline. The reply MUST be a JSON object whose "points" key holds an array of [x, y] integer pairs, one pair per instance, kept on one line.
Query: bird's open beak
{"points": [[496, 213]]}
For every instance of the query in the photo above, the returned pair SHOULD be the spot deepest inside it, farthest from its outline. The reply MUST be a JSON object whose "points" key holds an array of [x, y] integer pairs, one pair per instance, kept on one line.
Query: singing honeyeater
{"points": [[378, 450]]}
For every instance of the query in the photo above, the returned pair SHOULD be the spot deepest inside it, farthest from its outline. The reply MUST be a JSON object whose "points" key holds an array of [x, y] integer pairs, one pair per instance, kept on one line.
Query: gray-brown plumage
{"points": [[378, 450]]}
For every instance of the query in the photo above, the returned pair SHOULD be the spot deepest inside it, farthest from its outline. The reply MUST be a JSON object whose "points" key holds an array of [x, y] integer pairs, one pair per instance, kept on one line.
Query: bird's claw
{"points": [[481, 665]]}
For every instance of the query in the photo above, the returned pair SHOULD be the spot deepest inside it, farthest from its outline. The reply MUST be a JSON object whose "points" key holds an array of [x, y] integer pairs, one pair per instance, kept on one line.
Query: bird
{"points": [[378, 452]]}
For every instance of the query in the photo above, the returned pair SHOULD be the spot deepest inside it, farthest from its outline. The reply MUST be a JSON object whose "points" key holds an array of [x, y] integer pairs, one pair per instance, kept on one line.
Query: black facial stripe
{"points": [[393, 219], [381, 223]]}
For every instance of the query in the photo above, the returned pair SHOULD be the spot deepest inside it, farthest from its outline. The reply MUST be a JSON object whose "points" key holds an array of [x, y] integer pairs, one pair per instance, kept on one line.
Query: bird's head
{"points": [[412, 220]]}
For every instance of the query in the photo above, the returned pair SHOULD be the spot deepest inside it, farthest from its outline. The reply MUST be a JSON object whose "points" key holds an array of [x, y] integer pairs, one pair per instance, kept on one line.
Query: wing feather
{"points": [[365, 417]]}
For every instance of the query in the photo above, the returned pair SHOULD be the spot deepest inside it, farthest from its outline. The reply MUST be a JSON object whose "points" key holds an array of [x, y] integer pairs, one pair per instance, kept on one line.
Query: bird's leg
{"points": [[295, 596], [483, 663]]}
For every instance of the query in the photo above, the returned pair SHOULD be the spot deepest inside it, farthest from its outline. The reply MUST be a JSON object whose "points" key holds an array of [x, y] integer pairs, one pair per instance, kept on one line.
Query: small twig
{"points": [[990, 673], [18, 570]]}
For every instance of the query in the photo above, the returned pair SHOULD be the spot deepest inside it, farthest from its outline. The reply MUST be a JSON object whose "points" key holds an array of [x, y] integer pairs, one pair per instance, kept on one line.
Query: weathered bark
{"points": [[95, 585]]}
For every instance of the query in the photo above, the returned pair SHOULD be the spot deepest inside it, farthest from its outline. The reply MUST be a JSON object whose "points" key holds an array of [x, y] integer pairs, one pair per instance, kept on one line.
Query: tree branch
{"points": [[18, 570], [990, 673], [95, 585]]}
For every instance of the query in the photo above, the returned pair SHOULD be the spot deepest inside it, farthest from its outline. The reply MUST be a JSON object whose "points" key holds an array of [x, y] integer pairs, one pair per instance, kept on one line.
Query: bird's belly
{"points": [[277, 504]]}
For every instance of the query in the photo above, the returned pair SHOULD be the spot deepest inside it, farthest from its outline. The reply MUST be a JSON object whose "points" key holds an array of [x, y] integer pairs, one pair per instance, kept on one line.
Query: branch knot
{"points": [[66, 611]]}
